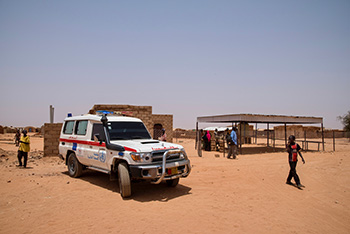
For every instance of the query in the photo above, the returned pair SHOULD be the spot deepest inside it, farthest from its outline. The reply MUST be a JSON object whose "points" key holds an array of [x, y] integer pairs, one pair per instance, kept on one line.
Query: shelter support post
{"points": [[268, 135], [256, 133], [240, 137], [197, 134], [333, 141], [244, 136], [285, 133], [322, 136]]}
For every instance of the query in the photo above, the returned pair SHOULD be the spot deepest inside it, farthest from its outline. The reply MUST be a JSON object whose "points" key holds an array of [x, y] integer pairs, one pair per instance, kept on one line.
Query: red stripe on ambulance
{"points": [[92, 143]]}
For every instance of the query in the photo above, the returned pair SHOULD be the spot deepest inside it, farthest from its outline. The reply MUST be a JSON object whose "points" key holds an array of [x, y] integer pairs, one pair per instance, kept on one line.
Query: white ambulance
{"points": [[121, 147]]}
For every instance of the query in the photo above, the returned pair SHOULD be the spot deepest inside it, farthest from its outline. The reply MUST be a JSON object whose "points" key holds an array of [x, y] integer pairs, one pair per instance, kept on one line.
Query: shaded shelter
{"points": [[242, 119]]}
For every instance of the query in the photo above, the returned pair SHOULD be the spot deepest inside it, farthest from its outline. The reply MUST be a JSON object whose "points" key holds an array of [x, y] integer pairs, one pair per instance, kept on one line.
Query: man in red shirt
{"points": [[293, 150]]}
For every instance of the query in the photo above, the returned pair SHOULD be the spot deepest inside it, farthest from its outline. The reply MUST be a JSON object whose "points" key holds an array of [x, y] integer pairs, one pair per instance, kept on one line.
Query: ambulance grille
{"points": [[158, 156]]}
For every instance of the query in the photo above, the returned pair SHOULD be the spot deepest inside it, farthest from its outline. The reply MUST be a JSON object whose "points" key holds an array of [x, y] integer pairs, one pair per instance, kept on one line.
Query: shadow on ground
{"points": [[261, 149], [142, 191], [253, 150]]}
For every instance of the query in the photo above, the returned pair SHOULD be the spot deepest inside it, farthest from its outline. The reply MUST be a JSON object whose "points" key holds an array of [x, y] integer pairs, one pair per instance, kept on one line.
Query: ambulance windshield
{"points": [[127, 131]]}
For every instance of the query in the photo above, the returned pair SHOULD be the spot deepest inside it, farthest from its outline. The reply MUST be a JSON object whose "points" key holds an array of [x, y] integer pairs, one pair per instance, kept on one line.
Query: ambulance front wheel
{"points": [[124, 180]]}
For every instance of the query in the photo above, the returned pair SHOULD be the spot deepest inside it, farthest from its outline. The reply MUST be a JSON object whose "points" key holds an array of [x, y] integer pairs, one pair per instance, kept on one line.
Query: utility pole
{"points": [[52, 113]]}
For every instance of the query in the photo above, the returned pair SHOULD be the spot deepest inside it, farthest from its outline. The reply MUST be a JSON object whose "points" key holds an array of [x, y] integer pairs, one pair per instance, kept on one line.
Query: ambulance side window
{"points": [[97, 129], [81, 127], [68, 127]]}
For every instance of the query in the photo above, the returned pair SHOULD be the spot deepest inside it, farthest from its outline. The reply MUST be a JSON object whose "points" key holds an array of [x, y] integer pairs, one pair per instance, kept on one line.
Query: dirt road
{"points": [[247, 195]]}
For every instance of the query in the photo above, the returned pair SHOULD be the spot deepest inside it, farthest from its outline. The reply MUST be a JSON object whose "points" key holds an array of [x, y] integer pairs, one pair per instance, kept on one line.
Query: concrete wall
{"points": [[51, 138], [311, 132], [167, 122], [183, 133]]}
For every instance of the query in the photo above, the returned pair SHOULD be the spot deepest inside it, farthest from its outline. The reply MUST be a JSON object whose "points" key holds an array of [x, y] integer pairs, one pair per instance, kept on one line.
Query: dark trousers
{"points": [[232, 150], [207, 145], [21, 155], [217, 145], [293, 173]]}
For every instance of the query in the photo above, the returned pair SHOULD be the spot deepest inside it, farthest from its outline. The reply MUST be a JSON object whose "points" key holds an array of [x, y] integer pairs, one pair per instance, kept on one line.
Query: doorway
{"points": [[157, 131]]}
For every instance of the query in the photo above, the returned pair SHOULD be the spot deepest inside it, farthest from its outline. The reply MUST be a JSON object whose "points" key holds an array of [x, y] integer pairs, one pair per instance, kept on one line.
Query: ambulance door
{"points": [[97, 149], [80, 144]]}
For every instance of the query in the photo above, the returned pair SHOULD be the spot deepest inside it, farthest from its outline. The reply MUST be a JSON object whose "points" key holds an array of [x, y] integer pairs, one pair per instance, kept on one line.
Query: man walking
{"points": [[293, 150], [23, 149]]}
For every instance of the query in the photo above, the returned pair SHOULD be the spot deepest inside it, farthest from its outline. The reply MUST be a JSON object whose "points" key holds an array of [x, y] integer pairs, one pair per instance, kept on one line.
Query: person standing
{"points": [[205, 141], [217, 136], [202, 136], [232, 143], [208, 141], [17, 137], [163, 137], [24, 148], [293, 150]]}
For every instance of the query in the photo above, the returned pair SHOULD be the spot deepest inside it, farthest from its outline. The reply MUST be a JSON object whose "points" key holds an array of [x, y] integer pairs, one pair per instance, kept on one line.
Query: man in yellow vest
{"points": [[23, 149]]}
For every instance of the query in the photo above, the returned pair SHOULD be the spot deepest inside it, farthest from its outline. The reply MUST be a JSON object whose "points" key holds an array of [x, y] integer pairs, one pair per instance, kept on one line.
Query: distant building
{"points": [[31, 129]]}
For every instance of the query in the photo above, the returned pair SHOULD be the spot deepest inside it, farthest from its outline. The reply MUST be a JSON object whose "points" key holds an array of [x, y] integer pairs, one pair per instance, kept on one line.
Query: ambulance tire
{"points": [[172, 183], [75, 168], [124, 180]]}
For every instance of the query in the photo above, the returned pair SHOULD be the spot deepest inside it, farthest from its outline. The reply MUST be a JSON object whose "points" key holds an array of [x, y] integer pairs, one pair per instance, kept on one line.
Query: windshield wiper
{"points": [[119, 138], [138, 137]]}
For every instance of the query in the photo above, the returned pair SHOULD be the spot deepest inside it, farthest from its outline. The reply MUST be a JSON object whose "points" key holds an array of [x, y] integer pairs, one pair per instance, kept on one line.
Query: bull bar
{"points": [[161, 178]]}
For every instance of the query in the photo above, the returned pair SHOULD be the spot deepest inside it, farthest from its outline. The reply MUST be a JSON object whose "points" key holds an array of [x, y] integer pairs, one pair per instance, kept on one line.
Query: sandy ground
{"points": [[247, 195]]}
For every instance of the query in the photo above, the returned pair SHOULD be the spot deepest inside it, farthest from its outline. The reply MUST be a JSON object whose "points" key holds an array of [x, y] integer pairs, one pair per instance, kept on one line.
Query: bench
{"points": [[306, 144]]}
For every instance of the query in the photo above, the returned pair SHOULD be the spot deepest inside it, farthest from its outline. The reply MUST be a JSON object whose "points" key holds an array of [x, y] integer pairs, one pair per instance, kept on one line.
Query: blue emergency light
{"points": [[69, 115], [104, 112]]}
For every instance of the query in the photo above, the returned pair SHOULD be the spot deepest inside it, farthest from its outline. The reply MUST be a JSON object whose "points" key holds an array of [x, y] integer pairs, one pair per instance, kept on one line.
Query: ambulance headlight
{"points": [[141, 157], [182, 156]]}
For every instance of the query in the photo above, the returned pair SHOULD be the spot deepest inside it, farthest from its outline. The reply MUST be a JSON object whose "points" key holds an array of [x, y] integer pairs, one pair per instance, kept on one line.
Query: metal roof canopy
{"points": [[257, 118]]}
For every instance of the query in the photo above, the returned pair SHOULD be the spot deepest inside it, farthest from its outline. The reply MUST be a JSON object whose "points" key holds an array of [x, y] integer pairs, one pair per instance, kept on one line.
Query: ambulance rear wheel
{"points": [[124, 180], [173, 183], [75, 168]]}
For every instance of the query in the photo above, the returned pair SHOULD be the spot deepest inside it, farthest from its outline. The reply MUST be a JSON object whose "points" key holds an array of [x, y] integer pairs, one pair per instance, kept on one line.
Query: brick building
{"points": [[154, 122]]}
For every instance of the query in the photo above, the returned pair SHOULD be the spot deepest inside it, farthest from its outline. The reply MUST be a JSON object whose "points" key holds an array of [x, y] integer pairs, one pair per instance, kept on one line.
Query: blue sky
{"points": [[187, 58]]}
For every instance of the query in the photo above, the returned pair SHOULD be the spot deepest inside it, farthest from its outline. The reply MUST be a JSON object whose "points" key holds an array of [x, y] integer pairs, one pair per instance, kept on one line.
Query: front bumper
{"points": [[159, 172]]}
